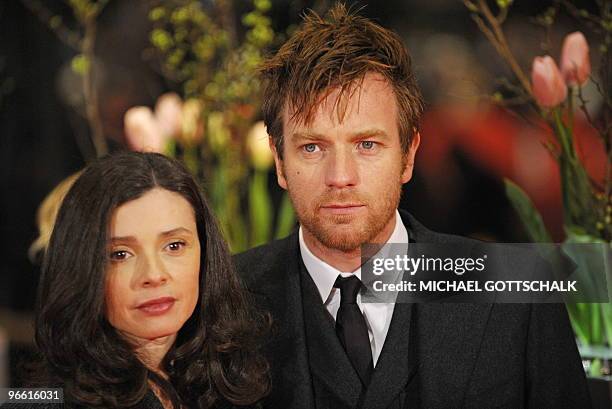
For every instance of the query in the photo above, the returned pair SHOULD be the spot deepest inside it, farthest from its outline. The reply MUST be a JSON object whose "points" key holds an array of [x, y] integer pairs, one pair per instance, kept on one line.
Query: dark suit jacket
{"points": [[435, 355]]}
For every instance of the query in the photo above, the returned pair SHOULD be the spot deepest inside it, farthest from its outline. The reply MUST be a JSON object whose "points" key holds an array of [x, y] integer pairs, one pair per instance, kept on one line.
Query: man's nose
{"points": [[341, 169]]}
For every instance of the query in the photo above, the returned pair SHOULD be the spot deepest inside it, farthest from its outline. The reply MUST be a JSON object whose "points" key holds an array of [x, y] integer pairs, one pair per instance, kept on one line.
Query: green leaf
{"points": [[606, 317], [161, 39], [578, 321], [578, 200], [471, 6], [260, 208], [80, 64], [531, 218], [157, 13], [576, 234], [502, 4], [286, 218], [596, 330], [263, 5], [55, 22], [592, 322], [596, 367]]}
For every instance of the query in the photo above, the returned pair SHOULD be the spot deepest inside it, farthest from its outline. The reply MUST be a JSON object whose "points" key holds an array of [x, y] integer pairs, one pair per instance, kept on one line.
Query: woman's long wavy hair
{"points": [[215, 356]]}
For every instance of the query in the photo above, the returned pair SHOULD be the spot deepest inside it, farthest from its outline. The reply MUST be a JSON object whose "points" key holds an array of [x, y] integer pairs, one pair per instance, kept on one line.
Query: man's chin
{"points": [[343, 239], [342, 219]]}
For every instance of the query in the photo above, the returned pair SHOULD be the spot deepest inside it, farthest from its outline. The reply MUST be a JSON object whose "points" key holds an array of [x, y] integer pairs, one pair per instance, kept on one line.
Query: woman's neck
{"points": [[152, 352]]}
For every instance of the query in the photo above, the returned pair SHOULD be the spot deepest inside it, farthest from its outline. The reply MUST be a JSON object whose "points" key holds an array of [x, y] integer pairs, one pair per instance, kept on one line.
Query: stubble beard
{"points": [[348, 232]]}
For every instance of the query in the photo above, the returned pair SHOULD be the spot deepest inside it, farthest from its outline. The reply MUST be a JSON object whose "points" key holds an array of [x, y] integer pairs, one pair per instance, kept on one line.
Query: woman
{"points": [[138, 305]]}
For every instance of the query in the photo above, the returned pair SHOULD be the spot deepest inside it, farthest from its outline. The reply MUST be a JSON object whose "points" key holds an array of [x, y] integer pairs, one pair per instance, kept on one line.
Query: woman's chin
{"points": [[160, 332], [151, 333]]}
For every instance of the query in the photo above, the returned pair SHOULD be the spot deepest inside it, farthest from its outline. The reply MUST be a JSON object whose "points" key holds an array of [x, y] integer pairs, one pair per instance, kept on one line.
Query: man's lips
{"points": [[341, 205], [156, 306], [342, 208]]}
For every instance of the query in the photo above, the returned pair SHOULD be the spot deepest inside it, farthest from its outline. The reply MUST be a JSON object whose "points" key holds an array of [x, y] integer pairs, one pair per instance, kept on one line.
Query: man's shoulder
{"points": [[268, 259], [269, 252], [421, 234]]}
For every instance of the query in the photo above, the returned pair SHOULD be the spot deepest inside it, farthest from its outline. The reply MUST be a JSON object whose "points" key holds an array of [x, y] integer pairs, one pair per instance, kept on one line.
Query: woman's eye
{"points": [[368, 145], [310, 147], [119, 255], [175, 246]]}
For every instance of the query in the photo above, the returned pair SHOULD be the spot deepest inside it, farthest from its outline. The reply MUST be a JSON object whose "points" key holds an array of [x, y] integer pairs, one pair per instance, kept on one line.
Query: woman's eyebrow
{"points": [[178, 230], [132, 239], [124, 239]]}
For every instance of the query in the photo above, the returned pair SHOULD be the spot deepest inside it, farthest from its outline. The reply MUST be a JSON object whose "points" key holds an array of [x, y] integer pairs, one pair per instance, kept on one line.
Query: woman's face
{"points": [[152, 279]]}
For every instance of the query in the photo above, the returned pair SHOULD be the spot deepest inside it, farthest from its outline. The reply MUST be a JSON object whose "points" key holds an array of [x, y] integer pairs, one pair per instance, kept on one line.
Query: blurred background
{"points": [[58, 58]]}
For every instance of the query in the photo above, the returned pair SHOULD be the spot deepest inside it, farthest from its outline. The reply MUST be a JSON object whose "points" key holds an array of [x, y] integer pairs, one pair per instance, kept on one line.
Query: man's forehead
{"points": [[336, 102]]}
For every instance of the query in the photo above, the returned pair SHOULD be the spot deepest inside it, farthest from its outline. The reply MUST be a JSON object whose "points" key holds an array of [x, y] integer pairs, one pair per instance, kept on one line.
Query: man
{"points": [[342, 108]]}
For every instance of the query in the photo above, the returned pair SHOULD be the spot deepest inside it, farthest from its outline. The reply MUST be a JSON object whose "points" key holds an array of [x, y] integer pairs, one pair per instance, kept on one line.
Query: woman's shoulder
{"points": [[150, 401]]}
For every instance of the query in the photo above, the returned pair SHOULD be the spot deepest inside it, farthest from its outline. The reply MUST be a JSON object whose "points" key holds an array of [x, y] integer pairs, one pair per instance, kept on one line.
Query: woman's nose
{"points": [[153, 272]]}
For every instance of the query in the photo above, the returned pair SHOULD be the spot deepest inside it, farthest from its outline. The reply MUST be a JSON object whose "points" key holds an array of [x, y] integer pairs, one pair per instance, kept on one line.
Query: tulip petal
{"points": [[168, 111], [549, 88], [575, 62], [142, 130]]}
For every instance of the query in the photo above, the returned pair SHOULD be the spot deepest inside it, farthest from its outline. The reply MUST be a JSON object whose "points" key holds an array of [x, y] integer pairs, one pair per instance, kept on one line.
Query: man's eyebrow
{"points": [[369, 133], [311, 136]]}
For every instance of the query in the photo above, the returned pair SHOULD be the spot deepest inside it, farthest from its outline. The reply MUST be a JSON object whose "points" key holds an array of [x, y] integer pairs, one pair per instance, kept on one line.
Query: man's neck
{"points": [[345, 261]]}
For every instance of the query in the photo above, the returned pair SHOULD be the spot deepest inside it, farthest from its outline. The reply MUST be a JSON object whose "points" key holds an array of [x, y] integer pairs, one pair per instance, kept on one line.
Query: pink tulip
{"points": [[168, 111], [142, 130], [575, 63], [549, 89], [191, 122]]}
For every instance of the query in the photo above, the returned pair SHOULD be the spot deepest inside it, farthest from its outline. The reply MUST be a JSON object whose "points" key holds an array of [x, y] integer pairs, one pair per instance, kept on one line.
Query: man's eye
{"points": [[310, 147], [119, 255], [368, 145], [175, 246]]}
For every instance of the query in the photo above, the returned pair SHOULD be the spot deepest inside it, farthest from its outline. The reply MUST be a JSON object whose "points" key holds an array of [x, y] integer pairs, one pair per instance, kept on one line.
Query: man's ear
{"points": [[278, 163], [409, 157]]}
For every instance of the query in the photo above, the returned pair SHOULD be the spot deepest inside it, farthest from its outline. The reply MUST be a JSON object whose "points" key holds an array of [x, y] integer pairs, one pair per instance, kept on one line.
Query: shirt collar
{"points": [[324, 275]]}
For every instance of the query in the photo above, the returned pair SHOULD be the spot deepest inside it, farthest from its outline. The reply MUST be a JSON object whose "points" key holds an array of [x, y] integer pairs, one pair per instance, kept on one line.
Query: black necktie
{"points": [[352, 329]]}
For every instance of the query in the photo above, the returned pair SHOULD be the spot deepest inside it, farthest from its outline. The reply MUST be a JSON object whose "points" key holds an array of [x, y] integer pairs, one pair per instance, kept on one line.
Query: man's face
{"points": [[345, 178]]}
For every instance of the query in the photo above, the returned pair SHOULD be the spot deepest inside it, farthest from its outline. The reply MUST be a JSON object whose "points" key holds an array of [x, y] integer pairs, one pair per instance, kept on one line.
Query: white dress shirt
{"points": [[377, 315]]}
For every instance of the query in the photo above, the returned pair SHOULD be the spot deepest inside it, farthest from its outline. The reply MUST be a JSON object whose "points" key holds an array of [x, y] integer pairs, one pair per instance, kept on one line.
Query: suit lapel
{"points": [[328, 360], [396, 365], [448, 337]]}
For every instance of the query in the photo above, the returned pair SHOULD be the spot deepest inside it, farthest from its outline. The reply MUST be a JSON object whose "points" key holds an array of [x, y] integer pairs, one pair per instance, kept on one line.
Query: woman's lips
{"points": [[157, 306]]}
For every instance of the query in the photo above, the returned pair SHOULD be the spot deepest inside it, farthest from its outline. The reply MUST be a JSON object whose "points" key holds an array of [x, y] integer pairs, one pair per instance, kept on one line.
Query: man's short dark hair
{"points": [[337, 51]]}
